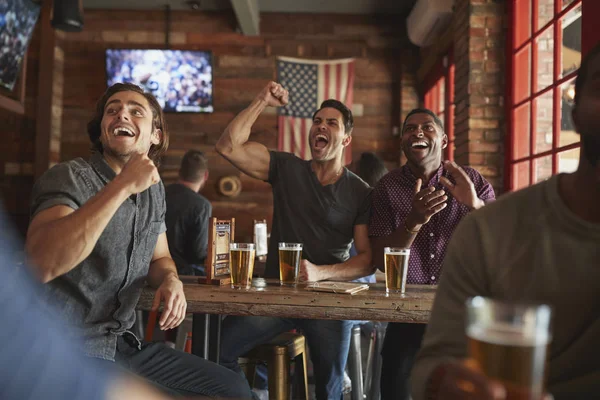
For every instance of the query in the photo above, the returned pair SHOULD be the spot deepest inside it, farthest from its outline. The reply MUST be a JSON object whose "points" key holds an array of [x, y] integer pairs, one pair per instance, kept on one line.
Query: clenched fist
{"points": [[274, 95], [138, 174]]}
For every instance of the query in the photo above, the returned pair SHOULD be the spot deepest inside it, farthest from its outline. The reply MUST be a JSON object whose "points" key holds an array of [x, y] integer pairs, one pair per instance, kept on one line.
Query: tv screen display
{"points": [[180, 80], [17, 20]]}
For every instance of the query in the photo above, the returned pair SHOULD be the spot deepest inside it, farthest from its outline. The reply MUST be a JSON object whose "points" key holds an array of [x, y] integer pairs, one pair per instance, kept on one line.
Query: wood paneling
{"points": [[242, 66]]}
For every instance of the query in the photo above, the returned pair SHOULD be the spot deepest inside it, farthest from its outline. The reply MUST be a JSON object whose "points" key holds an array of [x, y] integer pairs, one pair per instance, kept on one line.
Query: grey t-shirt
{"points": [[98, 296], [526, 247], [320, 217]]}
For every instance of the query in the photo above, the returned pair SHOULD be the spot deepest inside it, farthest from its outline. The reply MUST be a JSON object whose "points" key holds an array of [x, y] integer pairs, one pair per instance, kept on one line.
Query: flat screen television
{"points": [[181, 80], [17, 20]]}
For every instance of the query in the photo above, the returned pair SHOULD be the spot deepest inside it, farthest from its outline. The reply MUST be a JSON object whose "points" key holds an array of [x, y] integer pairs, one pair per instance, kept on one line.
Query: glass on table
{"points": [[241, 258], [396, 267], [290, 255], [510, 342]]}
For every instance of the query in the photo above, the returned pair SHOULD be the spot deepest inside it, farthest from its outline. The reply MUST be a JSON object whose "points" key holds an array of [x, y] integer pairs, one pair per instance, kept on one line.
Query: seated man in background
{"points": [[538, 245], [188, 215], [410, 209], [97, 235], [318, 203]]}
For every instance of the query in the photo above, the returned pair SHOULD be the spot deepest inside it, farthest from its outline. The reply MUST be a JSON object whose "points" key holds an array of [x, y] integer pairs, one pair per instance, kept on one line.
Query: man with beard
{"points": [[318, 203], [538, 245], [411, 209], [98, 234]]}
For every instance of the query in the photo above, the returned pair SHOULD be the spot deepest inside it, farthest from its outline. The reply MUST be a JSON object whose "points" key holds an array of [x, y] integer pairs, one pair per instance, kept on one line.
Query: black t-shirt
{"points": [[187, 218], [320, 217]]}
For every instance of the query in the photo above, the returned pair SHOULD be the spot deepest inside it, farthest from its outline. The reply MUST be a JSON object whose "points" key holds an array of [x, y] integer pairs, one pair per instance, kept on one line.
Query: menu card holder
{"points": [[221, 233]]}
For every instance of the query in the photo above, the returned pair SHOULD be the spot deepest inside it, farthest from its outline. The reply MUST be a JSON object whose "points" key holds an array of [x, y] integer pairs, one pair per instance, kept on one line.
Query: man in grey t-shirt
{"points": [[318, 203], [98, 234]]}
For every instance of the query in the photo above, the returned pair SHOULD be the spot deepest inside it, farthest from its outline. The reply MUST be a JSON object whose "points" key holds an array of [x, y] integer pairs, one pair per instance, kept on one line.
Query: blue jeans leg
{"points": [[329, 342], [239, 335]]}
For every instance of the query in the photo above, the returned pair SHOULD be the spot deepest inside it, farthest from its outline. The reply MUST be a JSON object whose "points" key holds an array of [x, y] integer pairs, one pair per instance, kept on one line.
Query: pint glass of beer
{"points": [[241, 258], [290, 255], [510, 343], [396, 266]]}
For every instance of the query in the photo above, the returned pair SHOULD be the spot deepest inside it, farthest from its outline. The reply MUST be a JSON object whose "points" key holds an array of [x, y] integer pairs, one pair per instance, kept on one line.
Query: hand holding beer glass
{"points": [[509, 343], [290, 255], [241, 258], [396, 267]]}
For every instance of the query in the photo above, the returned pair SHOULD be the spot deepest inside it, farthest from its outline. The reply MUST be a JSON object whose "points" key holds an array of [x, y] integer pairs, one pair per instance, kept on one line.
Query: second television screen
{"points": [[180, 80]]}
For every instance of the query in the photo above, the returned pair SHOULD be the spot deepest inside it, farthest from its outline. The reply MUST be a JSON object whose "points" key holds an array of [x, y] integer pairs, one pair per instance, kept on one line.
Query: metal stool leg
{"points": [[355, 364], [279, 376], [374, 392]]}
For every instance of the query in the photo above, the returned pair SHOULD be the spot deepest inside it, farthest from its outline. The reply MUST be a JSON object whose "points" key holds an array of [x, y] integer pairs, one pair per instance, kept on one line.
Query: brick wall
{"points": [[384, 85], [479, 54]]}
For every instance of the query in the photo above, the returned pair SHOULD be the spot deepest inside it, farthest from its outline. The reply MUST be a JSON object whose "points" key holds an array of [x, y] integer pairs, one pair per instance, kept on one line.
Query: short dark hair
{"points": [[427, 111], [94, 126], [341, 107], [370, 168], [582, 73], [193, 166]]}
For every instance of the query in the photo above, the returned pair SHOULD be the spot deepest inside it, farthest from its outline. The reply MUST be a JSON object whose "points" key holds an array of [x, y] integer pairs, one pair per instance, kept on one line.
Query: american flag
{"points": [[309, 83]]}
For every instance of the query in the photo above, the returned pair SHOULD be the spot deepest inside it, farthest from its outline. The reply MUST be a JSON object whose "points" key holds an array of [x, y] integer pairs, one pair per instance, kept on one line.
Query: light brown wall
{"points": [[242, 66]]}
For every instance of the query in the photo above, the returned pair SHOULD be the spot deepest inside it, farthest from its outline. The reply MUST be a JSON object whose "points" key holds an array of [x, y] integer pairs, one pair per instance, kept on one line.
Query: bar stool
{"points": [[278, 353]]}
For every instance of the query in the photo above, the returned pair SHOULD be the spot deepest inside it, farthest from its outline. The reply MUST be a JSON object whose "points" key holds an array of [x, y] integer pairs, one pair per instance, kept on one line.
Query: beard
{"points": [[591, 148]]}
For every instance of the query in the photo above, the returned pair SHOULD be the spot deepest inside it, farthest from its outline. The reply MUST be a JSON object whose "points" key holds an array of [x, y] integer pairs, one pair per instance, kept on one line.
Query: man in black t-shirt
{"points": [[319, 203], [188, 215]]}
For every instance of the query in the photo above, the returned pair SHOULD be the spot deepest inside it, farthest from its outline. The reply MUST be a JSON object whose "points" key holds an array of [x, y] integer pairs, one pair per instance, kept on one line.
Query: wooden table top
{"points": [[279, 301]]}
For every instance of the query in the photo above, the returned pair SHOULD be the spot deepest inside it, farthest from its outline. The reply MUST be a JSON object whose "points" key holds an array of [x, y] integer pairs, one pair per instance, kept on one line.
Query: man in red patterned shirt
{"points": [[418, 206]]}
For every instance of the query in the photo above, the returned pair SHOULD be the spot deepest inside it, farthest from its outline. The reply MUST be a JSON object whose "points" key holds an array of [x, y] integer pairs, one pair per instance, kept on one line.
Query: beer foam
{"points": [[290, 248], [397, 253], [507, 335], [244, 249]]}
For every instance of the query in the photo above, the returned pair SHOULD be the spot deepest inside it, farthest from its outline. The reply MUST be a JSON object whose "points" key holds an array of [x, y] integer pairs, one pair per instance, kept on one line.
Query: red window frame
{"points": [[523, 51], [439, 98]]}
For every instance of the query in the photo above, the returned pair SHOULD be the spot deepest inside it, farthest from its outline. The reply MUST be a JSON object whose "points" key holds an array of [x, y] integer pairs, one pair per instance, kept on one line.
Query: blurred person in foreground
{"points": [[538, 245], [418, 206], [97, 235], [38, 360], [188, 215]]}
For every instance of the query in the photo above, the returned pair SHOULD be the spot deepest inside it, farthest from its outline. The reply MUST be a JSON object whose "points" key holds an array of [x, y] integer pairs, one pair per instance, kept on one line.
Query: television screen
{"points": [[180, 80], [17, 20]]}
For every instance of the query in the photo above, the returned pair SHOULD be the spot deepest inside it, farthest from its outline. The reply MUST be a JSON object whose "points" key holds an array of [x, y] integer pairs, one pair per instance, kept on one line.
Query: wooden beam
{"points": [[45, 84], [248, 16]]}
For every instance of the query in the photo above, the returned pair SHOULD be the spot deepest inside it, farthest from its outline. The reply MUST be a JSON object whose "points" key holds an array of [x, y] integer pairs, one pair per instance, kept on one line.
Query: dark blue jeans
{"points": [[400, 347], [328, 342], [179, 373]]}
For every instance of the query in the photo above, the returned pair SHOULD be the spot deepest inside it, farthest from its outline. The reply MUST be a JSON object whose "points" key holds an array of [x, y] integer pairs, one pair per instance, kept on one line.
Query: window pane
{"points": [[571, 41], [544, 114], [522, 88], [545, 58], [521, 131], [542, 169], [568, 160], [566, 3], [521, 175], [522, 21], [545, 12], [567, 134]]}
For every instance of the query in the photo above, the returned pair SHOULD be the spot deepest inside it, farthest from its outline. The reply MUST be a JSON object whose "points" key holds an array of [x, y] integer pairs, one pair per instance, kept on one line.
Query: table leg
{"points": [[206, 336]]}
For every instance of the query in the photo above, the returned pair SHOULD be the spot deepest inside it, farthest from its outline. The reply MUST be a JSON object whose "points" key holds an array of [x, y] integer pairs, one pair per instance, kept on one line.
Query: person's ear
{"points": [[347, 140], [444, 141], [156, 136]]}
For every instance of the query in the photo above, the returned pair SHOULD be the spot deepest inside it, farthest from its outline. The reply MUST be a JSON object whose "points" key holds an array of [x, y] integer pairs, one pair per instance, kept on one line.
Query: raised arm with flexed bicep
{"points": [[252, 158]]}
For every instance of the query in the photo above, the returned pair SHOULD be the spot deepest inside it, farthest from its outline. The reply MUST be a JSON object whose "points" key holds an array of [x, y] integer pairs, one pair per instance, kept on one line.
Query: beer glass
{"points": [[396, 266], [241, 258], [510, 343], [290, 255]]}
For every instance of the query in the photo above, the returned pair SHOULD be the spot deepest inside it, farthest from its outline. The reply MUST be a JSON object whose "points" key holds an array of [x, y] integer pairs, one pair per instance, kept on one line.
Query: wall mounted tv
{"points": [[181, 80], [17, 20]]}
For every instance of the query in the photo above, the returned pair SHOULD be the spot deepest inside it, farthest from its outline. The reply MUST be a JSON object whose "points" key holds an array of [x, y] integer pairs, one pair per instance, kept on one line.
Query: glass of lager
{"points": [[241, 258], [290, 255], [510, 344], [396, 266]]}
